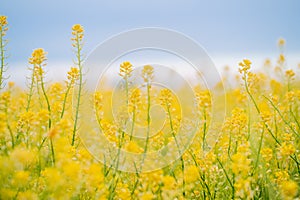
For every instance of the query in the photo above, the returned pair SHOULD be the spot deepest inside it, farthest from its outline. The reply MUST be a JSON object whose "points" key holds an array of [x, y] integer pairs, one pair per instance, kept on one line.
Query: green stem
{"points": [[8, 126], [30, 91], [227, 177], [79, 62], [52, 151], [47, 100], [177, 144], [133, 122], [65, 100], [281, 116], [2, 57], [259, 149], [204, 130]]}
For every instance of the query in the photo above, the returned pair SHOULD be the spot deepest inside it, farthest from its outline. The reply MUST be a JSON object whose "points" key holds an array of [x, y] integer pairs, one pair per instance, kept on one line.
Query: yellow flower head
{"points": [[38, 56], [125, 69], [203, 99], [147, 73], [245, 66], [77, 29], [135, 99], [73, 74], [281, 59], [287, 149], [267, 154], [289, 73], [281, 42], [77, 32], [3, 21], [289, 189], [98, 99], [166, 97], [53, 132]]}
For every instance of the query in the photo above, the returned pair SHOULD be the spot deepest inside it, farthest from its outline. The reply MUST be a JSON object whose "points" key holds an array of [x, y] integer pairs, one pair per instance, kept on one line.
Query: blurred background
{"points": [[228, 30]]}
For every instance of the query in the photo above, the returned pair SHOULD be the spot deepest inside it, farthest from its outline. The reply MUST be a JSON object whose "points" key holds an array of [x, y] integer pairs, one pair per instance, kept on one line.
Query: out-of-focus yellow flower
{"points": [[240, 164], [281, 42], [147, 73], [38, 56], [135, 100], [133, 147], [77, 28], [165, 97], [243, 188], [11, 84], [23, 158], [281, 176], [290, 73], [281, 59], [73, 75], [203, 99], [267, 63], [191, 173], [3, 25], [21, 179], [3, 20], [289, 189], [125, 69], [122, 191], [267, 154], [78, 33], [28, 194], [169, 182], [245, 66], [52, 177], [148, 196], [52, 132], [287, 149]]}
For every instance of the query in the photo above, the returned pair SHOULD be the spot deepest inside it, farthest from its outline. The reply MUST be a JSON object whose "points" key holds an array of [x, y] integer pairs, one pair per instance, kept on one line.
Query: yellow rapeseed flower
{"points": [[245, 66], [289, 189], [281, 42], [290, 73], [147, 73], [3, 20], [73, 74], [125, 69], [38, 56]]}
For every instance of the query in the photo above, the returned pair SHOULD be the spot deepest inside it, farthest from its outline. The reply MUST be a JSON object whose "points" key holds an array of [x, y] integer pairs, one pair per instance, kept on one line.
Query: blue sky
{"points": [[225, 28]]}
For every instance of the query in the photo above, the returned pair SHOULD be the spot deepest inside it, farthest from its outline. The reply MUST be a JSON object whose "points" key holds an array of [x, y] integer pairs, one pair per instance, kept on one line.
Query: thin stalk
{"points": [[52, 151], [259, 149], [227, 177], [281, 116], [133, 122], [179, 150], [65, 100], [47, 100], [2, 58], [79, 62], [204, 130], [29, 97], [8, 126]]}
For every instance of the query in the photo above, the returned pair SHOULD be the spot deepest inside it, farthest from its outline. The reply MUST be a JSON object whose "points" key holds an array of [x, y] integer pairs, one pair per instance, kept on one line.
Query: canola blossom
{"points": [[253, 154]]}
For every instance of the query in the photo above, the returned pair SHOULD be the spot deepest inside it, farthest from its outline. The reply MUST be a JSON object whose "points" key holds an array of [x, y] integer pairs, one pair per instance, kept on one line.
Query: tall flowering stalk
{"points": [[73, 76], [78, 33], [37, 59], [125, 73], [3, 42], [147, 75], [166, 99], [134, 103]]}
